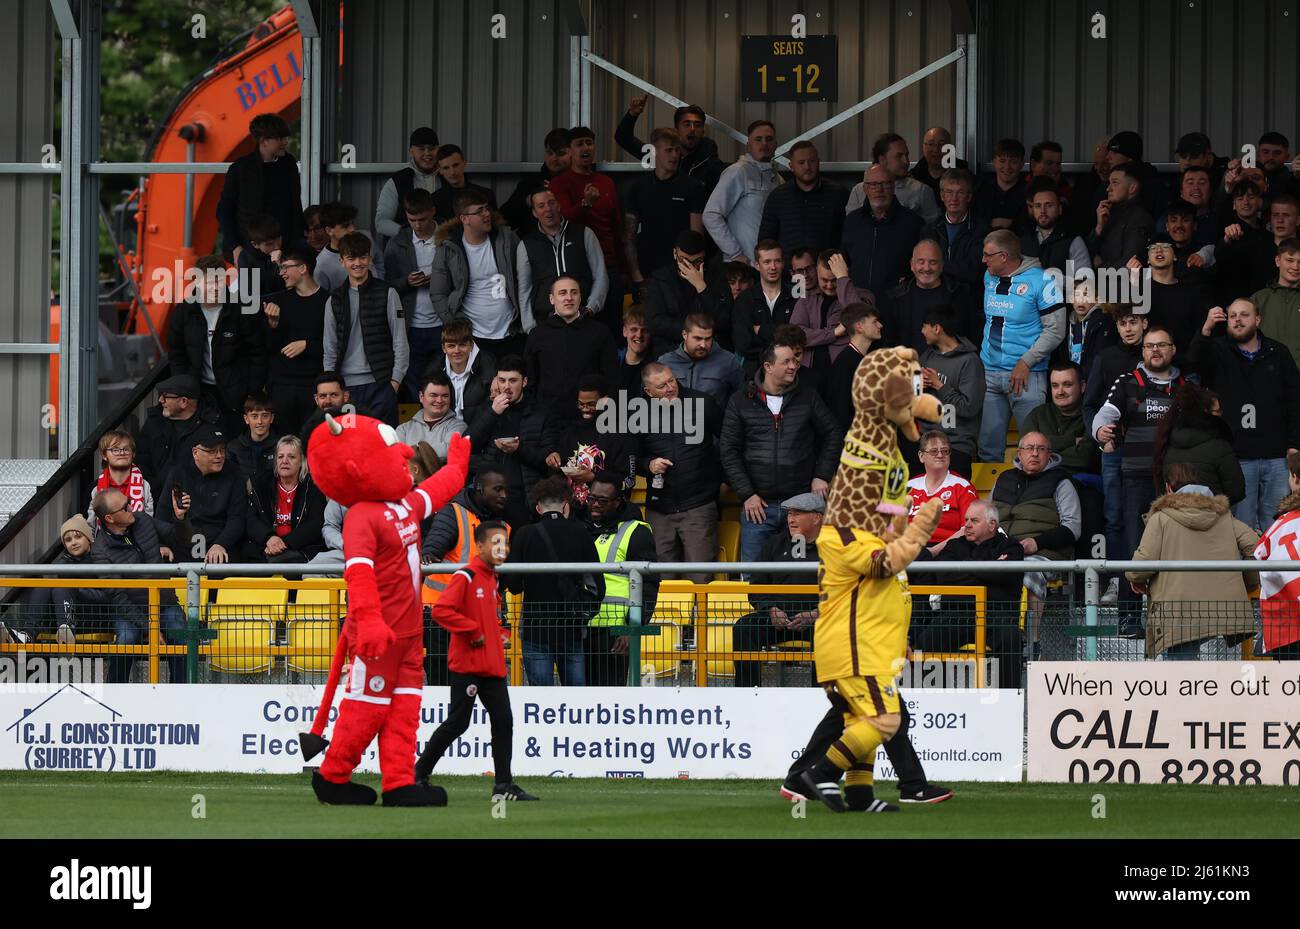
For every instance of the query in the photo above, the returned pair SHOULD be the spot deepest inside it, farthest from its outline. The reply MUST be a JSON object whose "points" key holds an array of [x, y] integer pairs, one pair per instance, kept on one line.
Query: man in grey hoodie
{"points": [[951, 370], [735, 207]]}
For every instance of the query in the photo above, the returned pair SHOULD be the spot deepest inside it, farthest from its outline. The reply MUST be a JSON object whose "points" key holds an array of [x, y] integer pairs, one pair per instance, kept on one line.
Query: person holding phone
{"points": [[206, 519]]}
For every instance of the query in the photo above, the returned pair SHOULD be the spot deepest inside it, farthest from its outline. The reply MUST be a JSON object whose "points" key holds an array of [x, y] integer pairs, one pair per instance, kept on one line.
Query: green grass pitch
{"points": [[57, 805]]}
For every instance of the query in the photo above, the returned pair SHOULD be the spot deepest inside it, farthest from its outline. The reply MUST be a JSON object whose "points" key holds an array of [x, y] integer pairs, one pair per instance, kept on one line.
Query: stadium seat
{"points": [[676, 608], [638, 491], [668, 640], [244, 621], [986, 475], [312, 642], [728, 540], [718, 635]]}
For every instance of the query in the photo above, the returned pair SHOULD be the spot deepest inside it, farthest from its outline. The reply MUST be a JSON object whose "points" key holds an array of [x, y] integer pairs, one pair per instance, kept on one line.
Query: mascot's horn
{"points": [[336, 428]]}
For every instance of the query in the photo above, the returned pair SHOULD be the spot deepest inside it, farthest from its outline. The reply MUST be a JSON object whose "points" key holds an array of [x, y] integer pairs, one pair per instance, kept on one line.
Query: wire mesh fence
{"points": [[268, 629]]}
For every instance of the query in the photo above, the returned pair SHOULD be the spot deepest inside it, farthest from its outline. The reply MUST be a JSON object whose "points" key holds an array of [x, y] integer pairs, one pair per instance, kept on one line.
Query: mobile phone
{"points": [[177, 492]]}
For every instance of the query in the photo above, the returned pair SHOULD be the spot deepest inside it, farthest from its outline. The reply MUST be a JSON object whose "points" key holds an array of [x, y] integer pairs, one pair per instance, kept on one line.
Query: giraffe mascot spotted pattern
{"points": [[865, 607]]}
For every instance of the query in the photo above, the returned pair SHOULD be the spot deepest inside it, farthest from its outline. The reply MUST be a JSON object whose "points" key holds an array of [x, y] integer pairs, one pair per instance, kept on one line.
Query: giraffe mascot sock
{"points": [[865, 546]]}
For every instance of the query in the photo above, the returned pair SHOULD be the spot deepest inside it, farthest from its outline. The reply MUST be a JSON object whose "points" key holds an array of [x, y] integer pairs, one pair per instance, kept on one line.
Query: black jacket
{"points": [[1097, 330], [902, 312], [163, 443], [963, 257], [669, 300], [751, 310], [571, 542], [693, 479], [781, 547], [443, 533], [1106, 368], [218, 511], [1246, 265], [777, 457], [516, 209], [800, 218], [558, 354], [1260, 398], [878, 251], [477, 387], [1001, 588], [238, 349], [1127, 231], [527, 420], [566, 431], [307, 516], [252, 463], [253, 186], [138, 545]]}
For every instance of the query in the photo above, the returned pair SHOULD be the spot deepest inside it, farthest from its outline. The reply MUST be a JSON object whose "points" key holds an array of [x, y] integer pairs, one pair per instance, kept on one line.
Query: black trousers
{"points": [[907, 767], [754, 631], [465, 688], [294, 404], [949, 628], [604, 669], [437, 642]]}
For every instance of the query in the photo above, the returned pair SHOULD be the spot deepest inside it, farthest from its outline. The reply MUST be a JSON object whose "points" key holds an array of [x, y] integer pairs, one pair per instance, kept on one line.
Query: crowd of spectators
{"points": [[1097, 311]]}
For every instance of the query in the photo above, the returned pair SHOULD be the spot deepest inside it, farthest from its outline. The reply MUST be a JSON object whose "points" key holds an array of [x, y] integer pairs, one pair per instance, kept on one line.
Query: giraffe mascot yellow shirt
{"points": [[865, 546]]}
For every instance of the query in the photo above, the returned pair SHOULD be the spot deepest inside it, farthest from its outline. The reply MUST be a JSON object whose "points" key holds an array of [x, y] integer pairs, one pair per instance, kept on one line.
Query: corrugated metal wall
{"points": [[691, 48], [409, 63], [1166, 67], [27, 52]]}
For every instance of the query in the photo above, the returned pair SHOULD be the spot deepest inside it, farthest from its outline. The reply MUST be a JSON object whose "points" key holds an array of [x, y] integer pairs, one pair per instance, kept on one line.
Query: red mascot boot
{"points": [[358, 462]]}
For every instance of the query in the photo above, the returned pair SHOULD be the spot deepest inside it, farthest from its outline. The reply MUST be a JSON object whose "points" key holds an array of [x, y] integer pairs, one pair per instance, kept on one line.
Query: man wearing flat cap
{"points": [[782, 617], [202, 503], [167, 435]]}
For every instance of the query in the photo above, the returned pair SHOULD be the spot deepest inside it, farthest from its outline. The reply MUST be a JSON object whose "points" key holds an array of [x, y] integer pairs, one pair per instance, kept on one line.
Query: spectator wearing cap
{"points": [[555, 160], [205, 512], [1194, 150], [408, 263], [699, 153], [588, 197], [420, 173], [1125, 148], [263, 181], [735, 208], [1124, 225], [688, 285], [1000, 197], [454, 183], [62, 609], [778, 440], [210, 337], [169, 428], [1049, 239], [778, 618]]}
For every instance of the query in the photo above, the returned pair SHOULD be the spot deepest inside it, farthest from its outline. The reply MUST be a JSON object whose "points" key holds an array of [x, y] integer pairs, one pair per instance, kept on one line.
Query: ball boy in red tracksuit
{"points": [[470, 609]]}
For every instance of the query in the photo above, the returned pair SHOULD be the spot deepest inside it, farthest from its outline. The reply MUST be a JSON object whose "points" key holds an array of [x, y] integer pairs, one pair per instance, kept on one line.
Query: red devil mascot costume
{"points": [[359, 462]]}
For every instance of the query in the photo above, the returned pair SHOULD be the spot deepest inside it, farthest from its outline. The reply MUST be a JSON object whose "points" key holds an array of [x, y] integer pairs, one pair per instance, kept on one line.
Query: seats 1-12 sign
{"points": [[781, 69]]}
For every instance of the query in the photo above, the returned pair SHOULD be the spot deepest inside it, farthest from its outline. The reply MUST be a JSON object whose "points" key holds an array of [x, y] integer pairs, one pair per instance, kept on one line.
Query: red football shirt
{"points": [[284, 509], [957, 494], [387, 536]]}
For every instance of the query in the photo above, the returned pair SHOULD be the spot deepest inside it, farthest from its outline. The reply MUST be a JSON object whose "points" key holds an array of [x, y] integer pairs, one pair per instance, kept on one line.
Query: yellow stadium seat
{"points": [[668, 640], [638, 491], [244, 620], [719, 639], [675, 608], [313, 642], [986, 475], [728, 540], [314, 603], [727, 607]]}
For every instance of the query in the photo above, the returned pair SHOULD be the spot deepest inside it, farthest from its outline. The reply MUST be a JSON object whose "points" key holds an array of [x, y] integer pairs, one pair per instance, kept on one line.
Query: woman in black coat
{"points": [[1193, 432], [286, 510]]}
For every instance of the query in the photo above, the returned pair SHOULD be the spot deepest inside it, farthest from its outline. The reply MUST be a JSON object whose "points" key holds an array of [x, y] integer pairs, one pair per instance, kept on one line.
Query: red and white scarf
{"points": [[133, 488], [1280, 590]]}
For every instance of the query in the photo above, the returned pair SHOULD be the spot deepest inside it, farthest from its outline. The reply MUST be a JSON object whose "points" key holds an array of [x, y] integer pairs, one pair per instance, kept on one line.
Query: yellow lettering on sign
{"points": [[787, 48]]}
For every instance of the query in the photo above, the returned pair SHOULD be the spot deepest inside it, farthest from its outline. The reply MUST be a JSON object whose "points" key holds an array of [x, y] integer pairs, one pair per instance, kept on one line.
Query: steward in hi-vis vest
{"points": [[620, 535], [450, 540]]}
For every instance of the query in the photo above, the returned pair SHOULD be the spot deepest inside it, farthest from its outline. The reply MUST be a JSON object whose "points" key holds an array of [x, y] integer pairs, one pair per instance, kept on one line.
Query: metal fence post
{"points": [[1091, 601], [636, 598], [192, 626]]}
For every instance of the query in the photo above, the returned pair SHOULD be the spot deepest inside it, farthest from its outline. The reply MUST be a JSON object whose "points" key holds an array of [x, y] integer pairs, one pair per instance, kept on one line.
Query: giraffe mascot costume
{"points": [[865, 546]]}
